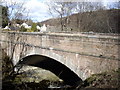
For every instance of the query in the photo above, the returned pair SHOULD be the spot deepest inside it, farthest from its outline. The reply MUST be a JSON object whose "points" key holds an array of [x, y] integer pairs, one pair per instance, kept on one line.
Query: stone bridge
{"points": [[71, 56]]}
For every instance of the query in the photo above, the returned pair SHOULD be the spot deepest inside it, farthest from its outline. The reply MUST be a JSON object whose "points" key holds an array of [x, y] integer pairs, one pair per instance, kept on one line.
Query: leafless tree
{"points": [[10, 69], [16, 9], [86, 7], [0, 17], [69, 9], [58, 9], [61, 9], [114, 5]]}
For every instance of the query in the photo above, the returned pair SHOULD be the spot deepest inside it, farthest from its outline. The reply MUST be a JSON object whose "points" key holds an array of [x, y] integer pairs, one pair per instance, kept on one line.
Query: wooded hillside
{"points": [[102, 21]]}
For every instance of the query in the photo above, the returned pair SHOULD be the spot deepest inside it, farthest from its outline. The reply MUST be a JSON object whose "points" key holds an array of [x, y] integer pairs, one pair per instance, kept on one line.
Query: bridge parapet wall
{"points": [[93, 45]]}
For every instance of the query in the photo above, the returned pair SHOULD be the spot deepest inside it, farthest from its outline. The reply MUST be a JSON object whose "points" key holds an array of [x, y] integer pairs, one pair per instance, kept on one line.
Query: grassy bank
{"points": [[103, 80]]}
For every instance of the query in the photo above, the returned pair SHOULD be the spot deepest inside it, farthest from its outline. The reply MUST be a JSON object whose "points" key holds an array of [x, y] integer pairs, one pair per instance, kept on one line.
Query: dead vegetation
{"points": [[101, 21]]}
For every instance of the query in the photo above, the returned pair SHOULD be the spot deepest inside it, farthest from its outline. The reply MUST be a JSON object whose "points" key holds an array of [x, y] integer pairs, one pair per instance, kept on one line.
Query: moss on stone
{"points": [[103, 80]]}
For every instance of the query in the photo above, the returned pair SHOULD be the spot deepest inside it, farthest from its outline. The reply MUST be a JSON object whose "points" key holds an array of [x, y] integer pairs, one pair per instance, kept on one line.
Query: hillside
{"points": [[102, 21]]}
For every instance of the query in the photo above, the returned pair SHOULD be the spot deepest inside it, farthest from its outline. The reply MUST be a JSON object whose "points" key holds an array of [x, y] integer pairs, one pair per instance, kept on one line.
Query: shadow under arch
{"points": [[59, 69]]}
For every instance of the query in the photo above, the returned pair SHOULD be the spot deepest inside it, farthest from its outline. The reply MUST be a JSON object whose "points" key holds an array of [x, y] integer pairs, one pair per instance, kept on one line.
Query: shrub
{"points": [[23, 29], [34, 29]]}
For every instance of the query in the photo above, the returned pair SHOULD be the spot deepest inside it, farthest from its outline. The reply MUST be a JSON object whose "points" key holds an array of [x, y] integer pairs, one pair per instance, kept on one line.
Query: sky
{"points": [[38, 9]]}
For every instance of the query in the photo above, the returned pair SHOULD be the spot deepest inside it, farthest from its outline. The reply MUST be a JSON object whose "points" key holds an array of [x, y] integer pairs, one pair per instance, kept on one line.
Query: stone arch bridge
{"points": [[73, 57]]}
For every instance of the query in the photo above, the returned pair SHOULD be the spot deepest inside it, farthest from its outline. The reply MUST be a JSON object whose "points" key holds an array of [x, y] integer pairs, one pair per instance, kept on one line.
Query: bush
{"points": [[7, 66], [23, 29], [34, 29]]}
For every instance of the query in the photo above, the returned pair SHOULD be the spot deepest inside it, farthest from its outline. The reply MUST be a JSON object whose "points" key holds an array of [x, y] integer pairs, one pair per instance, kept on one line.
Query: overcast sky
{"points": [[38, 9]]}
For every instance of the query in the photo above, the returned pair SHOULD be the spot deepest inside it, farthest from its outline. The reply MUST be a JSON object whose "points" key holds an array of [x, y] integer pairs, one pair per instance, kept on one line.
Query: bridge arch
{"points": [[73, 50], [56, 67]]}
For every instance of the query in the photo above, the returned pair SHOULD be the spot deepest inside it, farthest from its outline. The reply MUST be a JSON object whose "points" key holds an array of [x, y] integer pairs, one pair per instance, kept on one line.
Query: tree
{"points": [[87, 7], [19, 16], [33, 28], [5, 15], [62, 10], [0, 16], [19, 21], [69, 8], [113, 5], [23, 29], [57, 9], [16, 9]]}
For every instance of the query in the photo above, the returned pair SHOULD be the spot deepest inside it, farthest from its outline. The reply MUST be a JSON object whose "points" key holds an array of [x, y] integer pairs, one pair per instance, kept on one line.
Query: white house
{"points": [[7, 27], [17, 25], [38, 27], [26, 26], [43, 28]]}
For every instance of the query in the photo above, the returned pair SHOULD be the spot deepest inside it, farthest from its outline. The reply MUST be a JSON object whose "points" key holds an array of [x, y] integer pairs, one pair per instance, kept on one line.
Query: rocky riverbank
{"points": [[106, 80], [109, 80]]}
